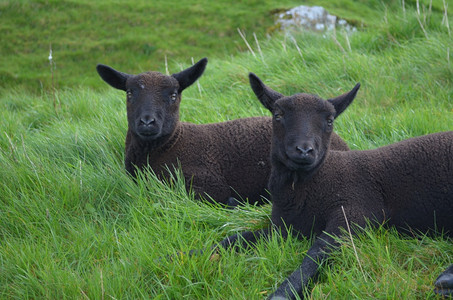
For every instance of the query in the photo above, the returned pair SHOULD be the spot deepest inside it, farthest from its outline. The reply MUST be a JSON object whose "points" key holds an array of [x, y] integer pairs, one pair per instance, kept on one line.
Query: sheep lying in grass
{"points": [[225, 160], [315, 190]]}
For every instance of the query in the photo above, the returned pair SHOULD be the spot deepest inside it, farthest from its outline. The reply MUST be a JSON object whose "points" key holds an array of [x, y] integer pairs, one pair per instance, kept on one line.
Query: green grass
{"points": [[74, 225], [137, 36], [134, 35]]}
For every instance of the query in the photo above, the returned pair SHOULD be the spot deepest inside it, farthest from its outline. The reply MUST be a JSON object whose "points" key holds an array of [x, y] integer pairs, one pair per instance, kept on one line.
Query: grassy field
{"points": [[136, 35], [73, 225]]}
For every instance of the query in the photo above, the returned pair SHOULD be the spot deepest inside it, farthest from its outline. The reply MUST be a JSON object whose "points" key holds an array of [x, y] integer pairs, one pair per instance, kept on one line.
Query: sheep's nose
{"points": [[305, 150], [147, 121]]}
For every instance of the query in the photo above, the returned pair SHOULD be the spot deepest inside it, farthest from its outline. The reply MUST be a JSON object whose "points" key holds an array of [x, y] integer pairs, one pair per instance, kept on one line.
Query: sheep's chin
{"points": [[148, 136], [299, 166]]}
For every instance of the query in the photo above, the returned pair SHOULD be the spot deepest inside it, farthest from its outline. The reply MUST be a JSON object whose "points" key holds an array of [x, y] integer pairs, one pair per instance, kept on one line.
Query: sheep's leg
{"points": [[308, 270], [444, 283], [209, 186], [245, 239], [233, 202]]}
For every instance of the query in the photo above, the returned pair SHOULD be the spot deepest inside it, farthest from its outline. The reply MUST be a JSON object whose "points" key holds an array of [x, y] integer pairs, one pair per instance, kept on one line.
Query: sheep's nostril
{"points": [[304, 151], [147, 121]]}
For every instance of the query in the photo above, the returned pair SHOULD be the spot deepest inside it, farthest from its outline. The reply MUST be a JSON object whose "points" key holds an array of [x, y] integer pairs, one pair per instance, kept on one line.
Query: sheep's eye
{"points": [[173, 97], [128, 94], [278, 116], [329, 122]]}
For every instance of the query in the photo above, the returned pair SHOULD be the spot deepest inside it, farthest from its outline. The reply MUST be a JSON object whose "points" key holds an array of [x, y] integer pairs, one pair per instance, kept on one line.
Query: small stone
{"points": [[314, 18]]}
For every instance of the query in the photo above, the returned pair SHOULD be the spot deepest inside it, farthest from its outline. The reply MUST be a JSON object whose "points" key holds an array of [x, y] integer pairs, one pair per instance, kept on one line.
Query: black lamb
{"points": [[225, 161], [408, 184]]}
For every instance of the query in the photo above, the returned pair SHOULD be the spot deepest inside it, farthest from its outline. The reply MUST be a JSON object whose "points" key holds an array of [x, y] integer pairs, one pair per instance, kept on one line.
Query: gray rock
{"points": [[314, 18]]}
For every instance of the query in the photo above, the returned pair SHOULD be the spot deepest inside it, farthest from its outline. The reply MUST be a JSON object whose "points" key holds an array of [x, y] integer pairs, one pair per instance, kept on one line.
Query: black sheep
{"points": [[408, 184], [224, 160]]}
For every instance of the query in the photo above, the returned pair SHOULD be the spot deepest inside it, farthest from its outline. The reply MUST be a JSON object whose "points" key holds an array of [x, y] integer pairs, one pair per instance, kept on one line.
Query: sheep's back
{"points": [[239, 150], [419, 186], [409, 182]]}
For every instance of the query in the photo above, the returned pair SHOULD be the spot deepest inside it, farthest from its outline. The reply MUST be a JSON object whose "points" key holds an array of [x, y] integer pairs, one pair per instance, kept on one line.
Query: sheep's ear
{"points": [[342, 102], [113, 77], [266, 95], [190, 75]]}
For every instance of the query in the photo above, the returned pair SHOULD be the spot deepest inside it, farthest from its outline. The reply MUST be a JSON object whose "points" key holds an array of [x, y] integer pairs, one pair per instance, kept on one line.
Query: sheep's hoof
{"points": [[233, 202], [444, 283], [277, 298]]}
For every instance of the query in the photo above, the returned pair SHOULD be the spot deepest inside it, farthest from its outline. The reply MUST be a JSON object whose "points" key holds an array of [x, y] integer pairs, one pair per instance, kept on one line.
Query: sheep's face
{"points": [[152, 105], [152, 98], [302, 126]]}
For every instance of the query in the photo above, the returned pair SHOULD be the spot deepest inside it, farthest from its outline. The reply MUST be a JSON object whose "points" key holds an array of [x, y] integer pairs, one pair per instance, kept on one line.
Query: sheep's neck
{"points": [[162, 144], [284, 179], [295, 177], [171, 141]]}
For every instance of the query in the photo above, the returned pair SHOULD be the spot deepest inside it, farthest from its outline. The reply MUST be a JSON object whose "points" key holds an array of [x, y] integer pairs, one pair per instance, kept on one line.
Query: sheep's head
{"points": [[152, 98], [302, 124]]}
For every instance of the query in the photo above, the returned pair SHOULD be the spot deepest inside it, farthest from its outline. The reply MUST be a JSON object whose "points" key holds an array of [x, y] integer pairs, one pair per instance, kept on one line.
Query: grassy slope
{"points": [[134, 35], [73, 225]]}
